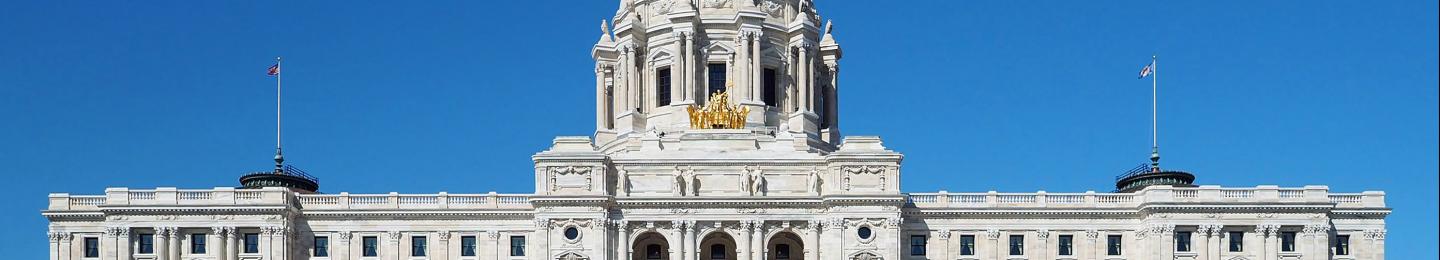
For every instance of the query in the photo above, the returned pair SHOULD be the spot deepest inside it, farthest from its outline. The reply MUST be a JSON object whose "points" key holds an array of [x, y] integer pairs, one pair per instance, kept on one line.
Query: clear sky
{"points": [[455, 96]]}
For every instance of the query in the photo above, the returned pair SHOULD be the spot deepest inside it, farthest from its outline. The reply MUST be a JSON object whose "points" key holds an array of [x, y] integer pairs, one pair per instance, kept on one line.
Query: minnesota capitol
{"points": [[717, 136]]}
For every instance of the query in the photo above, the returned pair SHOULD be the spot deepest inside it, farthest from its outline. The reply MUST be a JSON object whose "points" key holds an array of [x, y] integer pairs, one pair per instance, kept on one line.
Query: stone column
{"points": [[690, 243], [176, 246], [623, 244], [215, 243], [832, 102], [812, 245], [1376, 239], [689, 50], [622, 82], [600, 102], [498, 252], [740, 68], [541, 248], [944, 252], [441, 250], [742, 243], [757, 66], [123, 244], [1320, 244], [1270, 241], [391, 251], [757, 240], [1167, 241], [995, 246], [1216, 243], [161, 246], [54, 245], [677, 246], [340, 248], [677, 69], [1087, 250], [108, 243], [803, 81], [1043, 237], [232, 244], [1200, 242]]}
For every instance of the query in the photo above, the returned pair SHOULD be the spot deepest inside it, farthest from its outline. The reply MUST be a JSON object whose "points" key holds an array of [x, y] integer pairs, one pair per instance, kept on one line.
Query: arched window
{"points": [[717, 251], [652, 251]]}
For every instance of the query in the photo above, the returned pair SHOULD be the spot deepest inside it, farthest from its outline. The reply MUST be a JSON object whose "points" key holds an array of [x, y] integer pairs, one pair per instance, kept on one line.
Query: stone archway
{"points": [[650, 246], [784, 245], [718, 246]]}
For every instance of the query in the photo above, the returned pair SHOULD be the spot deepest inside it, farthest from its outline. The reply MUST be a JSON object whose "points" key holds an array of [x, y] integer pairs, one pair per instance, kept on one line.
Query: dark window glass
{"points": [[1067, 243], [252, 243], [1112, 245], [1342, 245], [782, 251], [1182, 241], [653, 252], [609, 106], [717, 251], [417, 246], [322, 246], [1287, 241], [517, 246], [662, 86], [572, 233], [820, 106], [864, 232], [467, 246], [371, 246], [1237, 241], [147, 244], [92, 247], [717, 79], [1017, 244], [197, 243], [967, 245], [917, 245], [769, 83]]}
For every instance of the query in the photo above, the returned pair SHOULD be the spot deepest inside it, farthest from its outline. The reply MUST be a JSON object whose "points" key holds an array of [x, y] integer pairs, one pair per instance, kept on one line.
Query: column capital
{"points": [[943, 234], [1374, 234], [1268, 230], [443, 235], [494, 234], [992, 234], [1092, 234], [218, 231], [342, 236], [1043, 234], [56, 237], [394, 236]]}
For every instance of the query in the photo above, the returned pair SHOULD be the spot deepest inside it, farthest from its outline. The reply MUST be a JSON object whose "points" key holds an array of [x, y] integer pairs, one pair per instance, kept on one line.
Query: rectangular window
{"points": [[467, 246], [769, 83], [1287, 241], [1342, 244], [92, 247], [517, 246], [147, 244], [252, 243], [197, 244], [417, 246], [662, 86], [1067, 245], [1237, 241], [967, 245], [1112, 245], [717, 79], [371, 246], [1182, 241], [782, 251], [917, 245], [322, 246], [1017, 244]]}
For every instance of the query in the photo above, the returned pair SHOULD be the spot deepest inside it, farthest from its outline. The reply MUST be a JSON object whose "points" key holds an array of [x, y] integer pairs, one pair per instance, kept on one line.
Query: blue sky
{"points": [[455, 96]]}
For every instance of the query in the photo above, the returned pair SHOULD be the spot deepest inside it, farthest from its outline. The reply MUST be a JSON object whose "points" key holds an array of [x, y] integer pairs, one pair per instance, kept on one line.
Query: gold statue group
{"points": [[717, 113]]}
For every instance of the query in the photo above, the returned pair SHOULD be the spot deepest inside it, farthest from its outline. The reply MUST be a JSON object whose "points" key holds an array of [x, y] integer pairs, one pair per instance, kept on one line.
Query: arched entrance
{"points": [[718, 246], [784, 246], [650, 246]]}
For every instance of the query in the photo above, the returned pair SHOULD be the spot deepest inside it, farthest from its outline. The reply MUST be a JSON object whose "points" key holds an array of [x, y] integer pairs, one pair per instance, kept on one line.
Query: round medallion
{"points": [[864, 233]]}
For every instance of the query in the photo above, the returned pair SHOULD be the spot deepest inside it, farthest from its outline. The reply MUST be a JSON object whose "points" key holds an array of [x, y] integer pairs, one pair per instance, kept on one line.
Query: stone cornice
{"points": [[415, 214]]}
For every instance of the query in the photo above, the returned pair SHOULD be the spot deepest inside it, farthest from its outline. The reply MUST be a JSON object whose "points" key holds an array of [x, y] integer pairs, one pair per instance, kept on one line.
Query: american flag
{"points": [[1147, 70], [274, 70]]}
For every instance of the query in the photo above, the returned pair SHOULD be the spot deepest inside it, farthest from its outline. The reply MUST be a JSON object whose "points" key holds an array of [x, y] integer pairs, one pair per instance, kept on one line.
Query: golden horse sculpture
{"points": [[718, 114]]}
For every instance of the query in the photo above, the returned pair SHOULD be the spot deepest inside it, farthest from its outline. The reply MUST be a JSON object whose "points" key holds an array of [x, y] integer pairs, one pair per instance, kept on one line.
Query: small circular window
{"points": [[572, 233], [864, 233]]}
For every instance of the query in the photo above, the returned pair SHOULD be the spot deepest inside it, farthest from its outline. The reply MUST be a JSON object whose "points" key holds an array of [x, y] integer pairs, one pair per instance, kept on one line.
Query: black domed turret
{"points": [[1140, 177], [286, 176]]}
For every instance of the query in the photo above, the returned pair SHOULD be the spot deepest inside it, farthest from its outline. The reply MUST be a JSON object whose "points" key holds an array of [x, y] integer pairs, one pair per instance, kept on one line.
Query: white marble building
{"points": [[781, 183]]}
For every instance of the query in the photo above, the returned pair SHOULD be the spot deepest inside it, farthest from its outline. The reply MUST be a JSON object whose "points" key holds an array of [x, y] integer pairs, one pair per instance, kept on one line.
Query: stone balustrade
{"points": [[226, 196], [393, 200], [1154, 194]]}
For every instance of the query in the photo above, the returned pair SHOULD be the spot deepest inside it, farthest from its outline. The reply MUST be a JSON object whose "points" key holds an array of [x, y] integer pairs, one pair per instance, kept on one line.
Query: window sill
{"points": [[1066, 258], [1015, 257], [1187, 254]]}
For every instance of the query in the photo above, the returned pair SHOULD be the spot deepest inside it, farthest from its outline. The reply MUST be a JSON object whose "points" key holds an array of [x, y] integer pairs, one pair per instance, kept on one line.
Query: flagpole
{"points": [[1154, 113], [279, 158]]}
